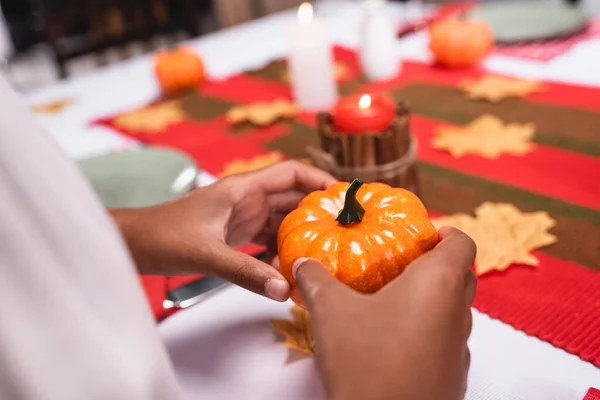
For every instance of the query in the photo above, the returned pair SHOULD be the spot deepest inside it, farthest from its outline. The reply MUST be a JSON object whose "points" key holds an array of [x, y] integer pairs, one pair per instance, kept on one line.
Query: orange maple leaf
{"points": [[297, 333], [504, 235], [240, 165]]}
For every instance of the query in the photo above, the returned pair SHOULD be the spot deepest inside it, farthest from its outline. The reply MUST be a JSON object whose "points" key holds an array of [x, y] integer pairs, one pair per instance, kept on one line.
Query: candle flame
{"points": [[365, 102], [305, 13]]}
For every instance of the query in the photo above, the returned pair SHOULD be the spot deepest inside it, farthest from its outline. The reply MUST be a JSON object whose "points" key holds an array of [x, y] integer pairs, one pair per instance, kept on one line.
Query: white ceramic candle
{"points": [[378, 54], [311, 62]]}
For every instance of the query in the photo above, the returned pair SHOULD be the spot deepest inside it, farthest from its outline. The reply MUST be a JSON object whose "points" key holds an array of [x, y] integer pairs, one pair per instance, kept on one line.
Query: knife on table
{"points": [[197, 291]]}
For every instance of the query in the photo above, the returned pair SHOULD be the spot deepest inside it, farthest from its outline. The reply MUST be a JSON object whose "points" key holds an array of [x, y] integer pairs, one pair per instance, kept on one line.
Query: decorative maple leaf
{"points": [[262, 113], [487, 136], [494, 88], [152, 119], [240, 165], [297, 332], [503, 234], [53, 107]]}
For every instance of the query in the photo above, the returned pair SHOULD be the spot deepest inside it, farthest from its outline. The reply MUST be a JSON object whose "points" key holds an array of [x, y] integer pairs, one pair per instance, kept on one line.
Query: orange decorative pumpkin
{"points": [[364, 234], [178, 69], [460, 43]]}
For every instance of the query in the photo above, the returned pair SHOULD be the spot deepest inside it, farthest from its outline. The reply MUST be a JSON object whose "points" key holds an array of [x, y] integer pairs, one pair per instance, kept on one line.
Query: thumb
{"points": [[248, 272], [314, 281]]}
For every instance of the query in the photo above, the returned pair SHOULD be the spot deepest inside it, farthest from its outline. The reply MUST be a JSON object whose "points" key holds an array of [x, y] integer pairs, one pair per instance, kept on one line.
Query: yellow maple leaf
{"points": [[53, 107], [297, 333], [494, 88], [152, 119], [504, 235], [262, 113], [240, 165], [487, 136]]}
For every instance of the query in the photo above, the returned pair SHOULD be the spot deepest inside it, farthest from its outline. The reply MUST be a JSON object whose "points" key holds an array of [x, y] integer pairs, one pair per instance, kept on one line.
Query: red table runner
{"points": [[592, 394], [559, 301]]}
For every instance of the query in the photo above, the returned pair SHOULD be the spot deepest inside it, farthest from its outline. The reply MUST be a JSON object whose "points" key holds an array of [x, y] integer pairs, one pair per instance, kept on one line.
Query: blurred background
{"points": [[42, 41]]}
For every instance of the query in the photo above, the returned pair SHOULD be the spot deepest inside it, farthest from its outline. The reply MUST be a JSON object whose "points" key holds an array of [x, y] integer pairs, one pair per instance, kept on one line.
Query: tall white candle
{"points": [[378, 48], [311, 63]]}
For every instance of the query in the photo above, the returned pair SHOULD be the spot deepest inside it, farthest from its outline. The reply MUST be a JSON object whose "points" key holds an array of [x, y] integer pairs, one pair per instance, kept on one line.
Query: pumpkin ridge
{"points": [[299, 217], [379, 256], [306, 226], [402, 254], [327, 256], [356, 264], [295, 245]]}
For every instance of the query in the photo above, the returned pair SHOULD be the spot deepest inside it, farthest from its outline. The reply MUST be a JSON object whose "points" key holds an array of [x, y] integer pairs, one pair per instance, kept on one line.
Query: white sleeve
{"points": [[74, 323]]}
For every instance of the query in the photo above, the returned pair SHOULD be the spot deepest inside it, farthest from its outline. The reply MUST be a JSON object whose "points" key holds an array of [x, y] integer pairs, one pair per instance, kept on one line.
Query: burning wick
{"points": [[365, 102]]}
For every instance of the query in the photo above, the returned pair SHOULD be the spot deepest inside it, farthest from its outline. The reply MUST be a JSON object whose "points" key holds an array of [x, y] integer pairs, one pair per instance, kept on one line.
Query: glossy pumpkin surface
{"points": [[365, 235], [178, 69], [460, 43]]}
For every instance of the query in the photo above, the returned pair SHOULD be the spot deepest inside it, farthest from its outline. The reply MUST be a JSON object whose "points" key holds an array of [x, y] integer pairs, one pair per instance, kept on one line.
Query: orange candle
{"points": [[363, 113]]}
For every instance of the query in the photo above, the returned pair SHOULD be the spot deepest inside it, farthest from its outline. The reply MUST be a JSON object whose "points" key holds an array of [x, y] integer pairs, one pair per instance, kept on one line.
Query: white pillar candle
{"points": [[311, 63], [378, 48]]}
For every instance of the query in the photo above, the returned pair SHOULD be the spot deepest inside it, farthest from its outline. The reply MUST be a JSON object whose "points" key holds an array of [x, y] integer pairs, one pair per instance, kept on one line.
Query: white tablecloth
{"points": [[224, 348]]}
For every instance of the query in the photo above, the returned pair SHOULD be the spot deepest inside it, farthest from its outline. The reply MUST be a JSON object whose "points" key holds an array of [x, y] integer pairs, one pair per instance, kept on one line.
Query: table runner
{"points": [[592, 394], [559, 301]]}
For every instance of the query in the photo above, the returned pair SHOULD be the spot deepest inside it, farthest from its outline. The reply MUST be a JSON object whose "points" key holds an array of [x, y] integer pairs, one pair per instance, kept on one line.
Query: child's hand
{"points": [[407, 341]]}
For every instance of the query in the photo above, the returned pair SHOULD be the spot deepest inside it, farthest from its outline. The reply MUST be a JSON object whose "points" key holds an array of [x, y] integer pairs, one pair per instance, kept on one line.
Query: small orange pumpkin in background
{"points": [[178, 69], [460, 42], [364, 234]]}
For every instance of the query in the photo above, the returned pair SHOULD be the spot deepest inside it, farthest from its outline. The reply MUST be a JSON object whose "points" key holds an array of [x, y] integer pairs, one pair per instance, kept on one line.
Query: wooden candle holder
{"points": [[388, 156]]}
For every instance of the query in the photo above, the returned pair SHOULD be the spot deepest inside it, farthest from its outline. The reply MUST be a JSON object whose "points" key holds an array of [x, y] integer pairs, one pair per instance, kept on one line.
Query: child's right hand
{"points": [[407, 341]]}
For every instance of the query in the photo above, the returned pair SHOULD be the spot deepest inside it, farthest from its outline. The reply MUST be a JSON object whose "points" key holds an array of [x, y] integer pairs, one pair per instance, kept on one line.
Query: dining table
{"points": [[224, 347]]}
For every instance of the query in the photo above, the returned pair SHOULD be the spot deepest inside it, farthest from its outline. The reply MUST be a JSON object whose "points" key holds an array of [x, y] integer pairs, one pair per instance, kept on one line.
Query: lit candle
{"points": [[363, 113], [310, 63]]}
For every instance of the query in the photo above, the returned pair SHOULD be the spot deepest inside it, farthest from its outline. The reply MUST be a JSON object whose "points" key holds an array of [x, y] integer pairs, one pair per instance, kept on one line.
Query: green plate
{"points": [[523, 22], [140, 178]]}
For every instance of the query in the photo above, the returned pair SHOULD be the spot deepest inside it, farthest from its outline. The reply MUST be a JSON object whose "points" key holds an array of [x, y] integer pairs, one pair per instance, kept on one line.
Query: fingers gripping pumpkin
{"points": [[364, 234]]}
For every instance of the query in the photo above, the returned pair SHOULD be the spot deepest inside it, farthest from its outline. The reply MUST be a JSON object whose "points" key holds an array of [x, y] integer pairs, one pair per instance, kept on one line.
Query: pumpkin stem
{"points": [[353, 211]]}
